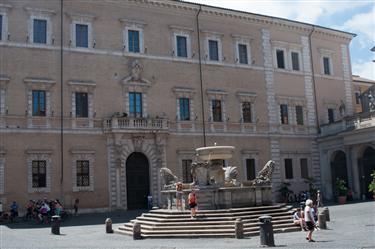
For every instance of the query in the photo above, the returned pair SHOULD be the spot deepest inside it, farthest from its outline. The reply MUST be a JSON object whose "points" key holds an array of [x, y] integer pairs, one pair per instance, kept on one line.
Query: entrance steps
{"points": [[164, 223]]}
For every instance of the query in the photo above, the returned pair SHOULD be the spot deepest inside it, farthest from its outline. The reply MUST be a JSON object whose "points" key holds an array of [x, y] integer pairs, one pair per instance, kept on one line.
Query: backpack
{"points": [[191, 198]]}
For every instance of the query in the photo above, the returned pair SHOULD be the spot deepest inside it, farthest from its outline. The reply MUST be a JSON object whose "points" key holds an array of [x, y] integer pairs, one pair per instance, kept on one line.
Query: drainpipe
{"points": [[313, 80], [201, 76], [61, 100]]}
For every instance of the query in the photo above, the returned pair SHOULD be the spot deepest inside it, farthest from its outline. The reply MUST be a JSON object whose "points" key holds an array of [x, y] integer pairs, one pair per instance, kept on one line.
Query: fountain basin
{"points": [[215, 153]]}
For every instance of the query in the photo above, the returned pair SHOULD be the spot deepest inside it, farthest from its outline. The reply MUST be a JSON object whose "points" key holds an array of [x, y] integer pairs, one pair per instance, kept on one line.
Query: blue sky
{"points": [[355, 16]]}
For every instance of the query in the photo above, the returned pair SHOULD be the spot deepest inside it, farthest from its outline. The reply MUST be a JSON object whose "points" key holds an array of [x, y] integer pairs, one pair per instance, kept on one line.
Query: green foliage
{"points": [[312, 189], [341, 188], [371, 186], [284, 190]]}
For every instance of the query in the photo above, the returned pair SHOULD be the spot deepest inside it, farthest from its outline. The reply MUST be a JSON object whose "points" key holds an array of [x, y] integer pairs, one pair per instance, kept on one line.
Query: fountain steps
{"points": [[209, 223]]}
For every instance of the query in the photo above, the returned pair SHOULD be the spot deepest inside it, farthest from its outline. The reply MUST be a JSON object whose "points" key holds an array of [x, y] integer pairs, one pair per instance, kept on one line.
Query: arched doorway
{"points": [[366, 167], [137, 181], [338, 168]]}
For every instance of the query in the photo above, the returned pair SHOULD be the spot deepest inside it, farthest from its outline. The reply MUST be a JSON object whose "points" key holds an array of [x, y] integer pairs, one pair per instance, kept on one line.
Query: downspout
{"points": [[61, 100], [201, 76], [313, 80]]}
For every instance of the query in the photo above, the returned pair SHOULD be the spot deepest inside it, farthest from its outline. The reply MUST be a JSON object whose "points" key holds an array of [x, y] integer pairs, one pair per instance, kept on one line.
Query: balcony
{"points": [[355, 122], [130, 124]]}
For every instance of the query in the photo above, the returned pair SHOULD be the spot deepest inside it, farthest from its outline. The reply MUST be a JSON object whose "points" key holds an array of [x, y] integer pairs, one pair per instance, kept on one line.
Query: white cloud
{"points": [[363, 24], [365, 69], [309, 11]]}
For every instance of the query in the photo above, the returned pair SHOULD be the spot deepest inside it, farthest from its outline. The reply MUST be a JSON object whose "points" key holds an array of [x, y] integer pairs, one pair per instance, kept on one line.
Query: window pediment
{"points": [[39, 83], [176, 28], [82, 86], [40, 12], [216, 94], [246, 96], [184, 92], [4, 80], [133, 23], [80, 17]]}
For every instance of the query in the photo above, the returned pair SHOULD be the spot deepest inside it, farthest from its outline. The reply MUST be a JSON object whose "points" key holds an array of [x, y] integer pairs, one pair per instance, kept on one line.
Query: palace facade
{"points": [[97, 96]]}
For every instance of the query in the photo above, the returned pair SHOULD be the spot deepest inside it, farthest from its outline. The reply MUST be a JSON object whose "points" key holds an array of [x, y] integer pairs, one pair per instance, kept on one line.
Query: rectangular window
{"points": [[327, 67], [284, 114], [186, 171], [40, 31], [331, 115], [213, 49], [39, 103], [39, 174], [250, 169], [83, 173], [280, 58], [82, 36], [181, 46], [299, 115], [295, 61], [135, 104], [1, 27], [216, 110], [133, 41], [288, 168], [304, 168], [184, 109], [242, 54], [82, 105], [246, 112]]}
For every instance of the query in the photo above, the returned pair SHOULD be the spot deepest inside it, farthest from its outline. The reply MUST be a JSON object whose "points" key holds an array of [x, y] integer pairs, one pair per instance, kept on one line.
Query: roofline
{"points": [[261, 15]]}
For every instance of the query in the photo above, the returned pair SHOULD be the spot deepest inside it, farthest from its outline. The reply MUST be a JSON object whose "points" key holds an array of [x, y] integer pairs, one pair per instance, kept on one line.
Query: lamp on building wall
{"points": [[94, 44], [192, 56], [145, 50], [70, 43], [123, 47], [8, 36], [27, 38], [53, 40]]}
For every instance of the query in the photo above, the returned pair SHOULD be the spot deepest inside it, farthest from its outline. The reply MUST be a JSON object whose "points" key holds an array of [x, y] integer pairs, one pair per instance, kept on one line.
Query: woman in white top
{"points": [[309, 218]]}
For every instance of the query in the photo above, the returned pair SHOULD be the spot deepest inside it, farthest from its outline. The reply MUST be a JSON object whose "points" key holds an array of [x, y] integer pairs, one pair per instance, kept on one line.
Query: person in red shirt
{"points": [[193, 203]]}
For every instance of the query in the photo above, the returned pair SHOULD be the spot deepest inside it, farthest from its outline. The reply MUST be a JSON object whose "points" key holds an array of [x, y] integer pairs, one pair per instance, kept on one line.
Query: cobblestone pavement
{"points": [[351, 226]]}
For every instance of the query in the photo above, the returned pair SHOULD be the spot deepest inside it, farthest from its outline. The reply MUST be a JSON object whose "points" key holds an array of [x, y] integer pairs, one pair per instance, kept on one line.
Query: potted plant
{"points": [[371, 186], [342, 190], [285, 191]]}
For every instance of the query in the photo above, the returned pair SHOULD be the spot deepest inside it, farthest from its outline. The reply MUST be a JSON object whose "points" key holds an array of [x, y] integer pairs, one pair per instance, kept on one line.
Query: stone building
{"points": [[97, 96]]}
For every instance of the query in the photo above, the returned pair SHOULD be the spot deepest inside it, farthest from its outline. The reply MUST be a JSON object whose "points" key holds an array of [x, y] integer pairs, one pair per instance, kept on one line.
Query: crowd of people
{"points": [[39, 210]]}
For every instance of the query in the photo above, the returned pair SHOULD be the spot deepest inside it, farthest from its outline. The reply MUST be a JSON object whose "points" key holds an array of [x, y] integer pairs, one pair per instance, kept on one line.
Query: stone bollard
{"points": [[326, 212], [55, 224], [266, 231], [137, 231], [322, 221], [238, 228], [108, 225]]}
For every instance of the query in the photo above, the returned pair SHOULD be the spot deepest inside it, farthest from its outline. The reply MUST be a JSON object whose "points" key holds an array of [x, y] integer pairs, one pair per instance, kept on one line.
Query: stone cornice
{"points": [[248, 17]]}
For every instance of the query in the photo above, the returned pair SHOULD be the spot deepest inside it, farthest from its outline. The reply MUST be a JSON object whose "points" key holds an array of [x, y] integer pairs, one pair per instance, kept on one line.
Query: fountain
{"points": [[217, 185]]}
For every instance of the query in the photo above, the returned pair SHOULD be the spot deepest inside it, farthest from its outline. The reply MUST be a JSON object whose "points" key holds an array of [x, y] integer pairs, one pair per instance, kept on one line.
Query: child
{"points": [[193, 203]]}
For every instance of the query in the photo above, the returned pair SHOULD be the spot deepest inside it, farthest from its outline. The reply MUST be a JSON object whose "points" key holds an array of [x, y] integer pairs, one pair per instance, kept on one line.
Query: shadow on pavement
{"points": [[81, 220]]}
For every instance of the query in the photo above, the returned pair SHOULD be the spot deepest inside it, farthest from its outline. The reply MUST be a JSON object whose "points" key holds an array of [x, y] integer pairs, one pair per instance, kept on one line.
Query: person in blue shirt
{"points": [[13, 210]]}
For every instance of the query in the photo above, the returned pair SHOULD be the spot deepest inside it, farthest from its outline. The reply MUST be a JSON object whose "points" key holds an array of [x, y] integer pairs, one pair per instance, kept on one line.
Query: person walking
{"points": [[179, 194], [193, 203], [309, 218], [76, 203]]}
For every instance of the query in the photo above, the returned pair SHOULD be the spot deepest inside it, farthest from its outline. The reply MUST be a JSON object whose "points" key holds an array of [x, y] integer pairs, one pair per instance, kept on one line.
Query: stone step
{"points": [[228, 217], [198, 222], [170, 234], [205, 226], [230, 210], [209, 223]]}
